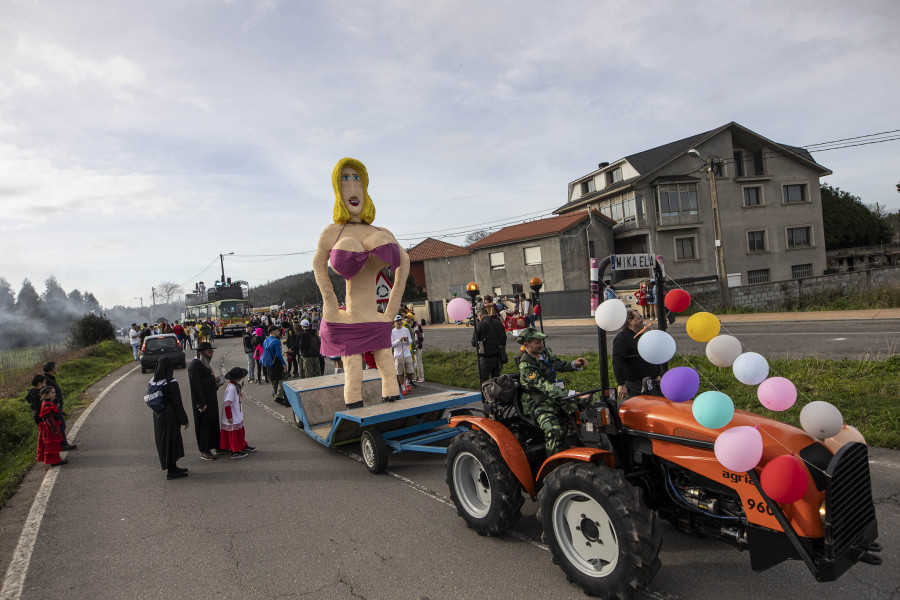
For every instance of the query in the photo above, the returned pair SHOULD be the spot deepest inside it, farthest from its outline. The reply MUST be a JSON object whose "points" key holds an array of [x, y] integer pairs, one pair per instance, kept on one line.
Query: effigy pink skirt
{"points": [[349, 339]]}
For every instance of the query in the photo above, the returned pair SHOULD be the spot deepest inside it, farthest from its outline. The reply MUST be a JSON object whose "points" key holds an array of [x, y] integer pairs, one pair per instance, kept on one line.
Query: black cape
{"points": [[167, 427], [203, 393]]}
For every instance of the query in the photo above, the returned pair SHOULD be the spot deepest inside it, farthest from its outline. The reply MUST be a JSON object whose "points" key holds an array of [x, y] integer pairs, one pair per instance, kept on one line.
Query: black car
{"points": [[157, 346]]}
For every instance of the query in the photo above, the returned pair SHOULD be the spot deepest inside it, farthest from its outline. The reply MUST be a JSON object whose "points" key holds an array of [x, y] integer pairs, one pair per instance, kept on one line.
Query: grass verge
{"points": [[18, 433], [864, 391]]}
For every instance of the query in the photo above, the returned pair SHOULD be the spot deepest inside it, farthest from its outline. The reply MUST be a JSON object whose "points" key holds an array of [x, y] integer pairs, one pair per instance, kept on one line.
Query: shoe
{"points": [[251, 380], [64, 461], [180, 469], [207, 456], [413, 383], [352, 405], [218, 452], [390, 399], [70, 447], [239, 455], [176, 474], [249, 449]]}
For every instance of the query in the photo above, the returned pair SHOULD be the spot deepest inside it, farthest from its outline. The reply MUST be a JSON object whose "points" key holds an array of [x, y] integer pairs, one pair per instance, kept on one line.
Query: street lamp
{"points": [[717, 225], [536, 284], [222, 262]]}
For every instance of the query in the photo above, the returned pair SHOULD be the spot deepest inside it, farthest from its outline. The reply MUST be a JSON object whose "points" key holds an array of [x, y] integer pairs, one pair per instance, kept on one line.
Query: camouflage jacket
{"points": [[537, 376]]}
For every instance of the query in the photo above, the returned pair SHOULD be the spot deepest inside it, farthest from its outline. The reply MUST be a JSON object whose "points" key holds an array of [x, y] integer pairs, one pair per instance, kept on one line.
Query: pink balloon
{"points": [[739, 449], [459, 309], [777, 393]]}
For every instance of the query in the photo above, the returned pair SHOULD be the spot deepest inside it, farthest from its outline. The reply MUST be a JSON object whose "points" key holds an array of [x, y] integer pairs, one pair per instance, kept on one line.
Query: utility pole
{"points": [[153, 296], [222, 262], [141, 299], [717, 224]]}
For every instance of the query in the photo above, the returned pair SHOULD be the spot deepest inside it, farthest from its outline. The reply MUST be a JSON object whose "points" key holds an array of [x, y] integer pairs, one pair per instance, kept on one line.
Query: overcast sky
{"points": [[138, 140]]}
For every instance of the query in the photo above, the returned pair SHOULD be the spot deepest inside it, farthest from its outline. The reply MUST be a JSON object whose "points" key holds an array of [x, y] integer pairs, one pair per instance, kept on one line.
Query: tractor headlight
{"points": [[822, 513]]}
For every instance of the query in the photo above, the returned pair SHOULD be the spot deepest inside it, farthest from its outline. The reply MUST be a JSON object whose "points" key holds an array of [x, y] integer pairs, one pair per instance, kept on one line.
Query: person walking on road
{"points": [[274, 363], [248, 350], [204, 401], [232, 436], [50, 370], [168, 423], [308, 346], [134, 336], [418, 342], [50, 437]]}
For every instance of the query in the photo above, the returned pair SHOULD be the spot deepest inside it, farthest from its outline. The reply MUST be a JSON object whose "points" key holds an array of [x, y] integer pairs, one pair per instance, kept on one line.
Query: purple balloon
{"points": [[680, 384]]}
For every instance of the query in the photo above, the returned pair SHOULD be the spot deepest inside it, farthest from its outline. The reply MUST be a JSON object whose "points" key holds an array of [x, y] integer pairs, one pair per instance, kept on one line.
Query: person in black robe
{"points": [[166, 423], [204, 401]]}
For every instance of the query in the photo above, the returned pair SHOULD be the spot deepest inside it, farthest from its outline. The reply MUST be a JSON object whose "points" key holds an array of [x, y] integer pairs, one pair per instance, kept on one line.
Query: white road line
{"points": [[14, 581]]}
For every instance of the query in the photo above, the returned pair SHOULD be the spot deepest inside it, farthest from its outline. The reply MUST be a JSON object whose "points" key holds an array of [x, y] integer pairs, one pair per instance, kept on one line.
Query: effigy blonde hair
{"points": [[341, 214]]}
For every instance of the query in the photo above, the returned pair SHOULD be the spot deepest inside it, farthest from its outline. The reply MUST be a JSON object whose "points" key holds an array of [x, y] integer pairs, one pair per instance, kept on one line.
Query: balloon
{"points": [[821, 419], [784, 479], [750, 368], [680, 384], [739, 448], [722, 350], [703, 326], [656, 347], [848, 434], [777, 393], [677, 300], [713, 409], [459, 309], [611, 314]]}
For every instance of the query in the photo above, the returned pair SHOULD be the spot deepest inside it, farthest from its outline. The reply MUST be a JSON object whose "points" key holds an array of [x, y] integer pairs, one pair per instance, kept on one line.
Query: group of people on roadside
{"points": [[45, 398]]}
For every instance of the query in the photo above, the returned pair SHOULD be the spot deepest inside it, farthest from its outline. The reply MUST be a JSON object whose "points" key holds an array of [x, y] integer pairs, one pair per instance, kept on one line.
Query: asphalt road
{"points": [[836, 340], [297, 520]]}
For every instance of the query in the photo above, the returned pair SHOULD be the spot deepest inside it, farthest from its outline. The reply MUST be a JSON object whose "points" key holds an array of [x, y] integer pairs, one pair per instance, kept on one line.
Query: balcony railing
{"points": [[679, 218], [630, 223]]}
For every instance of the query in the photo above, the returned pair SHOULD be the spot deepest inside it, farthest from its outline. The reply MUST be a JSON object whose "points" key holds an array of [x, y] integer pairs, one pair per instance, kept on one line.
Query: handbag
{"points": [[155, 398]]}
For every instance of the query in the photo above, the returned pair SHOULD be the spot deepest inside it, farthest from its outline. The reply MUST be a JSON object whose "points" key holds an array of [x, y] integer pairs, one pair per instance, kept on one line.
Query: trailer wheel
{"points": [[374, 450], [599, 531], [482, 487]]}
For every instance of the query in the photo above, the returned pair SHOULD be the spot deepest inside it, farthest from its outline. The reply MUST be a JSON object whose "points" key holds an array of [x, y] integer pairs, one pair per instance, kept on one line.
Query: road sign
{"points": [[620, 262], [382, 288]]}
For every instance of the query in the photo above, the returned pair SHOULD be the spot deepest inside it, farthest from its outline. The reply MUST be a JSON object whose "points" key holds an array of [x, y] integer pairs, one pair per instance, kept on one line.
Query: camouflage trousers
{"points": [[546, 415]]}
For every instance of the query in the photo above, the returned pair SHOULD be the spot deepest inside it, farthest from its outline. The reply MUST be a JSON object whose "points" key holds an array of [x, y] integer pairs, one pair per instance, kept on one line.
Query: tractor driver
{"points": [[543, 395]]}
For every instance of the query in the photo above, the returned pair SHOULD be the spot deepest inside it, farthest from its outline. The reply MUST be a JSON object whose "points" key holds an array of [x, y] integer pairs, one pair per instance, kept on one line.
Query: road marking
{"points": [[14, 581], [839, 339]]}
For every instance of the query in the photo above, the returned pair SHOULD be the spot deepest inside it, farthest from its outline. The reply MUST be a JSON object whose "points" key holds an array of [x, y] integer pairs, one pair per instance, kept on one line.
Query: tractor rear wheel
{"points": [[600, 532], [482, 487]]}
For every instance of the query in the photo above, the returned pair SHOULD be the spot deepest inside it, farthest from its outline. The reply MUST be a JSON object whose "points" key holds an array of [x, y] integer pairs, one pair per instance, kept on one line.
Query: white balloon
{"points": [[821, 419], [656, 347], [751, 368], [722, 350], [611, 314]]}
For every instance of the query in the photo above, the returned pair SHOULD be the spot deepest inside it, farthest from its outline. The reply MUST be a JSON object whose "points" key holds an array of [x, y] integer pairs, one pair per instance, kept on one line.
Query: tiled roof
{"points": [[432, 248], [537, 229], [646, 161]]}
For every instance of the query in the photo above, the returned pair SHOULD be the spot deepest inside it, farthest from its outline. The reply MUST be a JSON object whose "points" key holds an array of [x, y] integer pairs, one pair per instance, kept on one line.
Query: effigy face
{"points": [[352, 193]]}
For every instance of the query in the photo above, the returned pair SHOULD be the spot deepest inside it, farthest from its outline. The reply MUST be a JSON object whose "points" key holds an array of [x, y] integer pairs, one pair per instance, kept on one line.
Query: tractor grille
{"points": [[849, 506]]}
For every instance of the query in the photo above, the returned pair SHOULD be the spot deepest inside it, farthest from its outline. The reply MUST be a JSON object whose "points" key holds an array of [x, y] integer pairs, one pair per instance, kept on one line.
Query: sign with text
{"points": [[622, 262], [382, 287]]}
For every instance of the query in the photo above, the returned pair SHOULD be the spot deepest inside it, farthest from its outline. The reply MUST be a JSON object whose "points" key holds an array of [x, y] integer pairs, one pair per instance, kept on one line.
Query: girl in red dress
{"points": [[50, 438]]}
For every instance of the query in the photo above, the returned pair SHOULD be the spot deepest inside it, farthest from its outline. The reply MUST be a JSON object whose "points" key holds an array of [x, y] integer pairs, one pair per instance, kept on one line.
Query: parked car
{"points": [[157, 346]]}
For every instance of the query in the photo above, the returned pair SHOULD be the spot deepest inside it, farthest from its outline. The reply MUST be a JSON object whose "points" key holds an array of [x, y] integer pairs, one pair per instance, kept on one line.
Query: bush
{"points": [[91, 329]]}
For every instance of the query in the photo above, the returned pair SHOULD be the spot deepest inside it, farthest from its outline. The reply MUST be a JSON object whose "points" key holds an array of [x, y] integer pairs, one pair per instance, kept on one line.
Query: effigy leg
{"points": [[384, 361], [353, 373]]}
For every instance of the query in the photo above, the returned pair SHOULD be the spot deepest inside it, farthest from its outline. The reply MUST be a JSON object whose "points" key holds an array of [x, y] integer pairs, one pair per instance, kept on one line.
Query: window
{"points": [[718, 168], [497, 261], [794, 193], [496, 291], [533, 255], [753, 196], [799, 271], [758, 162], [517, 288], [587, 187], [614, 176], [758, 276], [799, 237], [685, 248], [756, 241], [678, 203], [738, 163], [620, 208]]}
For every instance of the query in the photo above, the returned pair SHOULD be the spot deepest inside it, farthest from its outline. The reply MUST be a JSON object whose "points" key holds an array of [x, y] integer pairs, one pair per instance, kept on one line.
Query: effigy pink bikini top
{"points": [[348, 263]]}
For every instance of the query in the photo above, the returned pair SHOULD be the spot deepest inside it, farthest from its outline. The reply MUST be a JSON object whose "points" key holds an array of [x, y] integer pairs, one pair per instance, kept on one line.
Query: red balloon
{"points": [[784, 479], [677, 300]]}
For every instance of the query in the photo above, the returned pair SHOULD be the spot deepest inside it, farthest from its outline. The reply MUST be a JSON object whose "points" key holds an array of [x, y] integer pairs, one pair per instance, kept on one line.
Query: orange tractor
{"points": [[629, 464]]}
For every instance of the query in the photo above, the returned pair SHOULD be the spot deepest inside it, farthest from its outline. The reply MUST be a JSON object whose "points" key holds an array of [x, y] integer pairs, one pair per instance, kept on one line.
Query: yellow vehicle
{"points": [[226, 306]]}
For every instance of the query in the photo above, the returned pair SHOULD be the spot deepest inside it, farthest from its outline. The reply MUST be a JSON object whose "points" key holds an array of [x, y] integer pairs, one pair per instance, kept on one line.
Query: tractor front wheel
{"points": [[600, 533], [482, 487]]}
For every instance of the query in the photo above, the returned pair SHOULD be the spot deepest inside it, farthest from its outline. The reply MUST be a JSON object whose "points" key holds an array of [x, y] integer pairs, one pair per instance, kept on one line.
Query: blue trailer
{"points": [[413, 423]]}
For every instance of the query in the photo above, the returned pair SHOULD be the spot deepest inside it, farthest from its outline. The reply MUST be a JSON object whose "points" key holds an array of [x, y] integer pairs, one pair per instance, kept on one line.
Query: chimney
{"points": [[602, 165]]}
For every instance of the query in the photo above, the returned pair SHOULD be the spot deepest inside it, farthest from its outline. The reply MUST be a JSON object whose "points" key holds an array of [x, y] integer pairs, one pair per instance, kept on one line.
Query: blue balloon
{"points": [[680, 384], [713, 409]]}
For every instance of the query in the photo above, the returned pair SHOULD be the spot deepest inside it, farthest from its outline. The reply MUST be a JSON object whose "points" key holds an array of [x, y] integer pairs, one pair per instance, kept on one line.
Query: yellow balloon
{"points": [[703, 327]]}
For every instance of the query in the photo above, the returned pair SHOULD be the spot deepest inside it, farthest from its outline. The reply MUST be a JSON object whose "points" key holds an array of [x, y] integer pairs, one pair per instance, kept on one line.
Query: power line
{"points": [[859, 137]]}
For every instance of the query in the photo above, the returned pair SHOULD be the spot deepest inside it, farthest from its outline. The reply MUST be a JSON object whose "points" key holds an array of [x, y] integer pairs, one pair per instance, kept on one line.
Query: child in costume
{"points": [[231, 429], [50, 438]]}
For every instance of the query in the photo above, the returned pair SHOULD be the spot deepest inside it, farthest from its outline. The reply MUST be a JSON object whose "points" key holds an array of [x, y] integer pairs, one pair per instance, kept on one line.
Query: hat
{"points": [[236, 374], [205, 346], [530, 334], [304, 323], [398, 318]]}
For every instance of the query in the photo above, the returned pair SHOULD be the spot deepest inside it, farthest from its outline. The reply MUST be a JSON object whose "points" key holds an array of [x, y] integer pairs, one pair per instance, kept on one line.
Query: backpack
{"points": [[268, 356], [500, 393], [155, 398]]}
